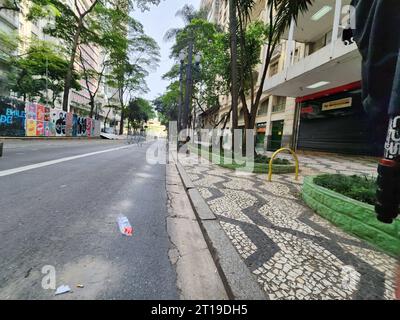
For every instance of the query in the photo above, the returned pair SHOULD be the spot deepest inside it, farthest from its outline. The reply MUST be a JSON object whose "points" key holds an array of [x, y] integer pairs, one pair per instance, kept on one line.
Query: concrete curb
{"points": [[239, 282], [200, 205], [187, 182]]}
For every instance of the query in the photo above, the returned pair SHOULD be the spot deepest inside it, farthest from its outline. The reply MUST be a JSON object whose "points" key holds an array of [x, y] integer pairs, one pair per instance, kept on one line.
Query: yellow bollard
{"points": [[274, 156]]}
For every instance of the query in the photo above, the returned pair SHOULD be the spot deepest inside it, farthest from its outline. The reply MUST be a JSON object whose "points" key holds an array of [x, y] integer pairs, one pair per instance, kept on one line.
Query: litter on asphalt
{"points": [[62, 289], [124, 226]]}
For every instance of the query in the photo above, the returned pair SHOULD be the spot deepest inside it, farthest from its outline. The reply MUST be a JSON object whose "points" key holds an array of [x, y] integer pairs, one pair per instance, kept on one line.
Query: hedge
{"points": [[352, 216]]}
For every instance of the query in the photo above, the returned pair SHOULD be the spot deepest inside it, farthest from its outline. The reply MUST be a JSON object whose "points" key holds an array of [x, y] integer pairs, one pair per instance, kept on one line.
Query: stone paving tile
{"points": [[293, 252], [325, 163]]}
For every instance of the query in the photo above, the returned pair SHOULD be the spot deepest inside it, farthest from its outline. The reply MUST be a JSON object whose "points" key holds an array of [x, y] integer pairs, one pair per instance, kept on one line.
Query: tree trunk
{"points": [[234, 70], [234, 66], [68, 76], [92, 105], [121, 125], [106, 118]]}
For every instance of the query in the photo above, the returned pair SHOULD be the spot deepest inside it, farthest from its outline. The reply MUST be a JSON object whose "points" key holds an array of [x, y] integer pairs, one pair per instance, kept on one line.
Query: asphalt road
{"points": [[64, 215]]}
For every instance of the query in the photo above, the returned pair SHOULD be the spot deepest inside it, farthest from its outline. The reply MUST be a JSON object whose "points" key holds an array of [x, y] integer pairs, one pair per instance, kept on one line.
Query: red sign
{"points": [[305, 110]]}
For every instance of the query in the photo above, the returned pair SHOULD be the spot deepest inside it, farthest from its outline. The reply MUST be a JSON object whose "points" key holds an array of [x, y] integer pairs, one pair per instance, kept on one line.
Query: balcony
{"points": [[325, 62], [8, 20]]}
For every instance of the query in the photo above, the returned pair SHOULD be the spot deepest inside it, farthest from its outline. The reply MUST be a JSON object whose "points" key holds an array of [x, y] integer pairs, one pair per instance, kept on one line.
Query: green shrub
{"points": [[361, 188], [257, 159], [264, 159]]}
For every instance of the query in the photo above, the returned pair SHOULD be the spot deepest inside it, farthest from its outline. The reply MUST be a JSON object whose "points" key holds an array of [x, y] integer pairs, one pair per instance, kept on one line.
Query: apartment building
{"points": [[312, 95], [9, 24], [323, 75]]}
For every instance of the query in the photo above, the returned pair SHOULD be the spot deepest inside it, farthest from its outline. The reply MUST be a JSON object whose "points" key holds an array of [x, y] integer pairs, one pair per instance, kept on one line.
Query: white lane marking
{"points": [[51, 162]]}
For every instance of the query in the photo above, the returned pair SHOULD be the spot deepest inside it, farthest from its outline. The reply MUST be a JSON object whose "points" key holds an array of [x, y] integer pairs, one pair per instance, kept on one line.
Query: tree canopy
{"points": [[139, 111], [41, 62]]}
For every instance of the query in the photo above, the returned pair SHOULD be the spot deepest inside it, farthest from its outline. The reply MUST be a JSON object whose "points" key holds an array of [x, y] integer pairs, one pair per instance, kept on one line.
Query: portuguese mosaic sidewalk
{"points": [[293, 252]]}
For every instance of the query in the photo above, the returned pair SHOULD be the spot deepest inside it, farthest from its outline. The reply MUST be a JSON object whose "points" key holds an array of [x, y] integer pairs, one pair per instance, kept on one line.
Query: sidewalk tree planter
{"points": [[352, 216], [281, 166]]}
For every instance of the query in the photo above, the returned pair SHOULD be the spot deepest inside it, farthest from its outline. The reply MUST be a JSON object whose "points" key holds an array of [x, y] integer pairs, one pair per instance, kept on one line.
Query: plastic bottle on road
{"points": [[124, 226]]}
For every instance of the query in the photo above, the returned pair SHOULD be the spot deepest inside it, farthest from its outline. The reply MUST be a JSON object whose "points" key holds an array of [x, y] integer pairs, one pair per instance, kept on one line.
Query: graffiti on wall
{"points": [[19, 119], [12, 117]]}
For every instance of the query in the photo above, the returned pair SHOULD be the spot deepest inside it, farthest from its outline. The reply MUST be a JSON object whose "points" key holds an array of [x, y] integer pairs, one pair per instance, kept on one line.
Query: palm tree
{"points": [[280, 13], [188, 13], [233, 4]]}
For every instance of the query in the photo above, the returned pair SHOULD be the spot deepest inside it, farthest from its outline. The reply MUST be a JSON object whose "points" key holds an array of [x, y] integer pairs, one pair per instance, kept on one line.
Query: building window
{"points": [[279, 104], [320, 43], [273, 68], [263, 110]]}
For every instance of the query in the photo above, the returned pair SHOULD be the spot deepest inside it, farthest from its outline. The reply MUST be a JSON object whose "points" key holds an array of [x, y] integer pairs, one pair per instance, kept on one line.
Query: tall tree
{"points": [[166, 105], [211, 78], [72, 24], [41, 68], [75, 25], [234, 65], [131, 63], [188, 14], [280, 15], [139, 112]]}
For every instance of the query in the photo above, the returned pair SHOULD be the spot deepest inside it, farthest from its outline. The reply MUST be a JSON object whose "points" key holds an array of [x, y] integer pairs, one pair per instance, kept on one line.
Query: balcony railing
{"points": [[279, 108]]}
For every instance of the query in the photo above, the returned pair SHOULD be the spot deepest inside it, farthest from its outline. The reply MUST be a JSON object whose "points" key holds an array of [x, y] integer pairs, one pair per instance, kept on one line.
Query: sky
{"points": [[156, 22]]}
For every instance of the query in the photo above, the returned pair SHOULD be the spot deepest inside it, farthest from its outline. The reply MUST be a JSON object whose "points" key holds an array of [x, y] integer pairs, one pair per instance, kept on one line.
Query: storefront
{"points": [[335, 121], [275, 140], [261, 131]]}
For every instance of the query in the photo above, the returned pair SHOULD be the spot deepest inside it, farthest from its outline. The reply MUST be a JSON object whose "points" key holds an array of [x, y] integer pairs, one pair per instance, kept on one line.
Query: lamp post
{"points": [[188, 91], [197, 60], [189, 83], [183, 120], [182, 57]]}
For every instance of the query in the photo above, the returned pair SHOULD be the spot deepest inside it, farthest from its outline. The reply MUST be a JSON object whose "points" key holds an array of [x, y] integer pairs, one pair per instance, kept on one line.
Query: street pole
{"points": [[180, 96], [47, 86], [234, 72], [188, 93], [197, 60]]}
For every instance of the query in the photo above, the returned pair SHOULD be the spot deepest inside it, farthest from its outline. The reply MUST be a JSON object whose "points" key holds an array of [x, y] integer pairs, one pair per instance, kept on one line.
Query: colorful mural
{"points": [[12, 117], [19, 119], [30, 128], [68, 124]]}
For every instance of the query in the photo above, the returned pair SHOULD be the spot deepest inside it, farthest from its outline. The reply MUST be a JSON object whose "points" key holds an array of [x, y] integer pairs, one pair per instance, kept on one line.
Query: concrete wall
{"points": [[20, 119]]}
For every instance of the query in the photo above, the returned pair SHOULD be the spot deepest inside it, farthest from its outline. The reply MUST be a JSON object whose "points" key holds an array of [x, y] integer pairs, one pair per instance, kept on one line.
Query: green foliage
{"points": [[166, 105], [250, 39], [28, 78], [264, 159], [249, 51], [8, 44], [260, 165], [106, 24], [139, 111], [211, 79], [361, 188]]}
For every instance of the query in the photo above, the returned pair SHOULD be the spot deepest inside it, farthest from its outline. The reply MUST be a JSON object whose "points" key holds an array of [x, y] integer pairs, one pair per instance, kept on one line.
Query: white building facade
{"points": [[323, 75]]}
